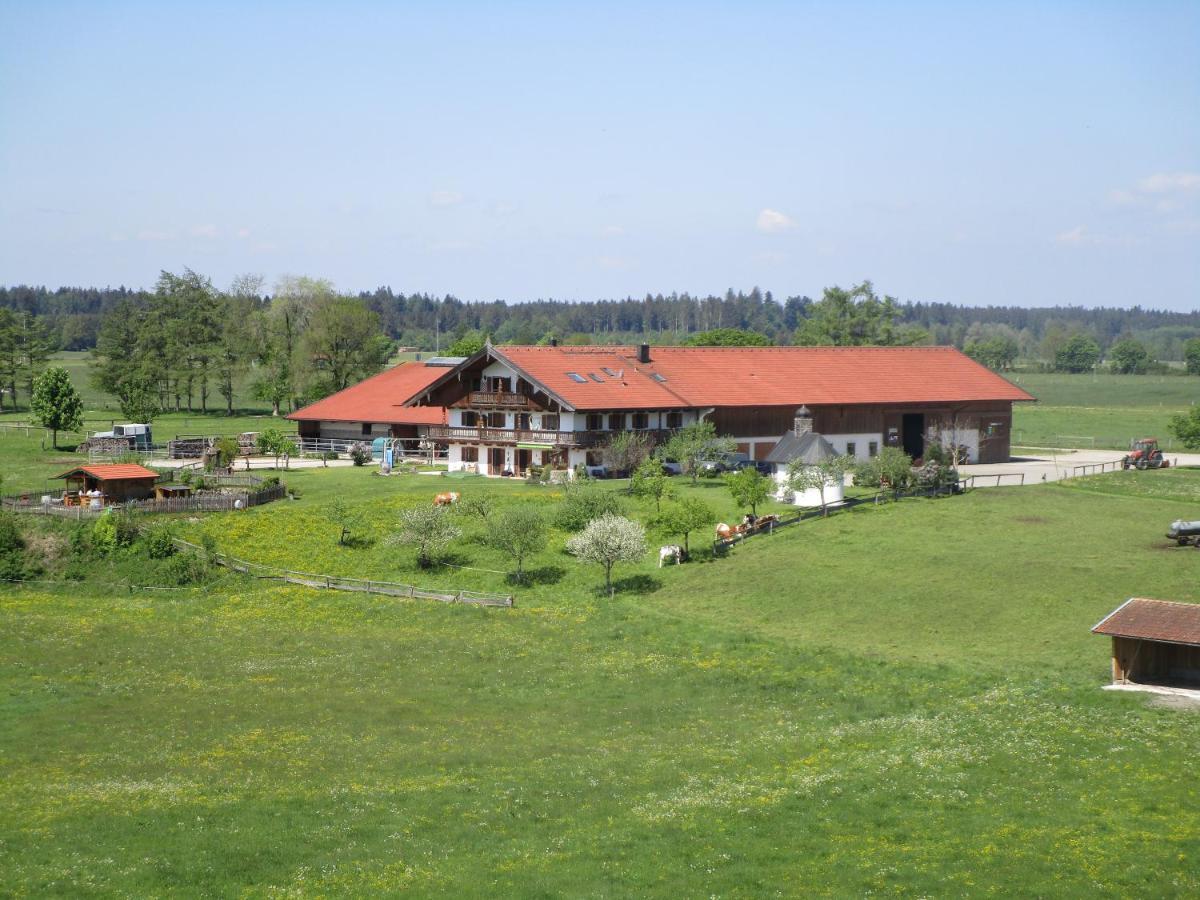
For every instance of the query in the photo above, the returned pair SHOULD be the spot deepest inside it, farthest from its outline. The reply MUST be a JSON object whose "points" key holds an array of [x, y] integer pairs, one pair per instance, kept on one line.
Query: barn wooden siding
{"points": [[1154, 662]]}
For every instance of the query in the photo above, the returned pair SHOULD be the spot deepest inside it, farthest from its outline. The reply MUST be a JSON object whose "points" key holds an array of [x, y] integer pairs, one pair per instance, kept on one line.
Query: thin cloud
{"points": [[612, 231], [772, 221], [154, 234], [205, 231], [1074, 237], [1170, 183], [243, 233], [443, 199]]}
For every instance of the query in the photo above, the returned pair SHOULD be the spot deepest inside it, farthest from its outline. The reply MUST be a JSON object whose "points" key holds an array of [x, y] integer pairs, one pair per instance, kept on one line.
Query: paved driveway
{"points": [[1051, 466]]}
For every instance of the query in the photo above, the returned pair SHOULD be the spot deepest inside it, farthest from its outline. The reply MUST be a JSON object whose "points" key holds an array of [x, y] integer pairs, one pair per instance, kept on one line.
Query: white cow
{"points": [[671, 551]]}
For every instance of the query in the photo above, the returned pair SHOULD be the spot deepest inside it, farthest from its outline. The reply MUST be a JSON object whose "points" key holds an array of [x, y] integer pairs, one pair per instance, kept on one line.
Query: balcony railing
{"points": [[506, 399], [569, 439]]}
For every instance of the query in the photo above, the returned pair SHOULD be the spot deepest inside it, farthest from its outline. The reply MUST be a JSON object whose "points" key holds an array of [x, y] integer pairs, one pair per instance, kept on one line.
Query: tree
{"points": [[650, 481], [695, 444], [518, 532], [274, 442], [228, 449], [429, 529], [139, 401], [55, 403], [609, 540], [857, 317], [625, 451], [1129, 357], [1186, 428], [345, 517], [996, 353], [728, 337], [343, 344], [749, 487], [1191, 356], [467, 345], [891, 467], [480, 505], [680, 519], [823, 475], [1079, 353]]}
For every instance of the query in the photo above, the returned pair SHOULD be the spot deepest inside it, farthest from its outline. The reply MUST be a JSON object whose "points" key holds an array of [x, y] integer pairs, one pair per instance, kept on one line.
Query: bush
{"points": [[270, 481], [360, 453], [891, 467], [160, 542], [583, 504], [12, 550], [185, 568]]}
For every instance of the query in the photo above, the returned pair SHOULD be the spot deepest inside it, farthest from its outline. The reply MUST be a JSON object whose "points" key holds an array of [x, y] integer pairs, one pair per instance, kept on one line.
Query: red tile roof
{"points": [[380, 398], [113, 472], [759, 376], [1154, 620]]}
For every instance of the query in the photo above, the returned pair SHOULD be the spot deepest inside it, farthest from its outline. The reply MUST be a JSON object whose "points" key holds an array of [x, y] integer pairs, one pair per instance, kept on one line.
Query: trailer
{"points": [[1185, 533]]}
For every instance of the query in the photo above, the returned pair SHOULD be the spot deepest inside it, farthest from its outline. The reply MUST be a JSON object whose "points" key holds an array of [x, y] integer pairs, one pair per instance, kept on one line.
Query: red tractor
{"points": [[1145, 454]]}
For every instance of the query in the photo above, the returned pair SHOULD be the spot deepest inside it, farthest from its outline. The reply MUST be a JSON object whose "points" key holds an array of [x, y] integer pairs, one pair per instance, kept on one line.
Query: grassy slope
{"points": [[1111, 409], [788, 719]]}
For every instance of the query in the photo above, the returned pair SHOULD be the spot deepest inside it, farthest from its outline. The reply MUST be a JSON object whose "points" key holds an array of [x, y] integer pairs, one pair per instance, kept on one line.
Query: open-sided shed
{"points": [[1154, 642], [117, 482]]}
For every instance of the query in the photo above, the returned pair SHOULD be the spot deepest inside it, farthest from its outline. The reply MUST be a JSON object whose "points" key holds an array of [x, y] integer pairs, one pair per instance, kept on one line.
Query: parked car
{"points": [[671, 468], [731, 462]]}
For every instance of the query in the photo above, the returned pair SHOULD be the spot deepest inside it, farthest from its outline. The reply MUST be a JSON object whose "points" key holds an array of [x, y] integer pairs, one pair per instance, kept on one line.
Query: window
{"points": [[366, 429], [470, 454], [550, 421], [657, 377], [675, 420], [470, 418], [595, 422], [521, 420], [641, 421], [850, 448], [596, 378], [609, 372], [616, 422], [496, 420], [575, 376], [594, 458], [873, 448]]}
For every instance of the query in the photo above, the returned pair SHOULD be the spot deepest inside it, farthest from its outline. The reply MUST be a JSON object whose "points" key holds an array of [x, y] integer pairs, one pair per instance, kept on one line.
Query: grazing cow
{"points": [[671, 551], [729, 532], [446, 499]]}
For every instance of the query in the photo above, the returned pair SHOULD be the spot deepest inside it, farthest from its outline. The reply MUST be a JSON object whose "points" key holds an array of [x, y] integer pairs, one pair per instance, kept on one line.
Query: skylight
{"points": [[596, 378], [609, 372], [575, 376], [658, 377]]}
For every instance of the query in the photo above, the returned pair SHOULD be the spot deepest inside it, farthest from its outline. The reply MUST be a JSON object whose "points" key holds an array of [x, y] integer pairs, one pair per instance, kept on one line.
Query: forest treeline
{"points": [[71, 318], [188, 344]]}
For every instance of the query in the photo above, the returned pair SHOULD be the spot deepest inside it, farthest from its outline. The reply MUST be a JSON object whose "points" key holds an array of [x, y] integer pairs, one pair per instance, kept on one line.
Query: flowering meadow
{"points": [[895, 700]]}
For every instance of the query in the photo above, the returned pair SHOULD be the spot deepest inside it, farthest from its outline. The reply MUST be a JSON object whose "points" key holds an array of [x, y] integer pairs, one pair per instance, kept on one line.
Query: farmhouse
{"points": [[508, 408], [374, 408], [1154, 642]]}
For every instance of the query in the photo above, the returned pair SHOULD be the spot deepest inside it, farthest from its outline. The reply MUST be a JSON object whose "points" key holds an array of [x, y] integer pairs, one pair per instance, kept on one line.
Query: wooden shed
{"points": [[1154, 642], [116, 482]]}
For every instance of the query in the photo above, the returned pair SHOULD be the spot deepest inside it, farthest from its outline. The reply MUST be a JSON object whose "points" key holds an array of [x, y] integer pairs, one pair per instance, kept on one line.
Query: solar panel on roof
{"points": [[575, 376]]}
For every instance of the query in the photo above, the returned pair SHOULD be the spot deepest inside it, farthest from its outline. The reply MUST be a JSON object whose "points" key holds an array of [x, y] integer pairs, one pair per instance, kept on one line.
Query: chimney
{"points": [[644, 353], [803, 422], [553, 342]]}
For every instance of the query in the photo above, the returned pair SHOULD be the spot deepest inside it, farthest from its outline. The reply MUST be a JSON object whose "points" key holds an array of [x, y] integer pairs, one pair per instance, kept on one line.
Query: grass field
{"points": [[1100, 410], [897, 700]]}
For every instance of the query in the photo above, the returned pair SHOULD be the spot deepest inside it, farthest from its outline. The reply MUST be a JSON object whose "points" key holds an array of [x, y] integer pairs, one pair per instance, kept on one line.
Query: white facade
{"points": [[835, 492]]}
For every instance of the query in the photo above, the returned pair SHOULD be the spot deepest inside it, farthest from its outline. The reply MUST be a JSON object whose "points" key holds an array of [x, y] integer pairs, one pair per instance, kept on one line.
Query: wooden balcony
{"points": [[501, 399], [576, 439]]}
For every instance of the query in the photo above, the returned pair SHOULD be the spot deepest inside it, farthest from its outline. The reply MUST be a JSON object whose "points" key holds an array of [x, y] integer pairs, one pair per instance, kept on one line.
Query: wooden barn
{"points": [[1154, 642], [116, 482]]}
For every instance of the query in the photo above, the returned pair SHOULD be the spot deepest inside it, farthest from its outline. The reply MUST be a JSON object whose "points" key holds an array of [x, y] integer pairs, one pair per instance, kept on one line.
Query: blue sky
{"points": [[1034, 153]]}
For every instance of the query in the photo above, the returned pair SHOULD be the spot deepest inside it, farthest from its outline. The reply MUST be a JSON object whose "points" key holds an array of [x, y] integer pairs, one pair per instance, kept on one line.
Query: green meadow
{"points": [[1100, 410], [901, 699]]}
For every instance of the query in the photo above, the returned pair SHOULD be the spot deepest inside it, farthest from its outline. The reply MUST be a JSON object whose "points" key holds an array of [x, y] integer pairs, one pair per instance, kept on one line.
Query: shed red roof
{"points": [[760, 376], [113, 472], [380, 398], [1154, 620]]}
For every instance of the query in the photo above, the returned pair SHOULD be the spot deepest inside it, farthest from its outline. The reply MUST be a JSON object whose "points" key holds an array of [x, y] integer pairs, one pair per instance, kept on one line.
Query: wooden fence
{"points": [[361, 585], [1093, 469], [26, 503]]}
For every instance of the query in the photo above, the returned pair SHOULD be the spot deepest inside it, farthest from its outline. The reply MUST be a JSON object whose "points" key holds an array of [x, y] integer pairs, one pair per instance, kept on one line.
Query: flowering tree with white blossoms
{"points": [[608, 540]]}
